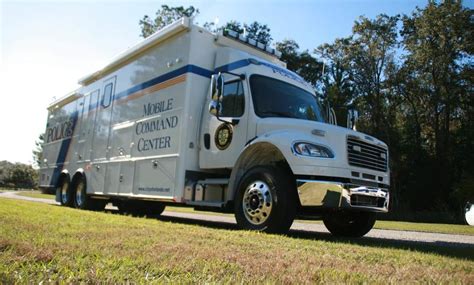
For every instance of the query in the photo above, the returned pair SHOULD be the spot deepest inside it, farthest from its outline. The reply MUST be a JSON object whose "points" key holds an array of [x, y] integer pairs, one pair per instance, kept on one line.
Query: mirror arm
{"points": [[219, 119], [241, 76], [233, 122]]}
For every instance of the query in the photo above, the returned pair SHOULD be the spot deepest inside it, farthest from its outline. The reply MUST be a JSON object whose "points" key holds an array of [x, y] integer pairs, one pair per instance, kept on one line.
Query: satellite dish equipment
{"points": [[469, 214]]}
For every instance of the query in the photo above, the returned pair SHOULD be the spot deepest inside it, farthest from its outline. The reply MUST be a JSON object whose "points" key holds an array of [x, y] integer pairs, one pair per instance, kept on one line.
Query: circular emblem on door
{"points": [[223, 136]]}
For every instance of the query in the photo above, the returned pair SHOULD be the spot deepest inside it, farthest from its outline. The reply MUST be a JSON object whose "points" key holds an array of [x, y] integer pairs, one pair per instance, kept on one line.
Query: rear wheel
{"points": [[65, 193], [82, 200], [349, 224], [265, 200]]}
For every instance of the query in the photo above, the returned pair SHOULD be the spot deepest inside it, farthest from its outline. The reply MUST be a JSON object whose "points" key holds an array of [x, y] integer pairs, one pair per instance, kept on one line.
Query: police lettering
{"points": [[60, 131]]}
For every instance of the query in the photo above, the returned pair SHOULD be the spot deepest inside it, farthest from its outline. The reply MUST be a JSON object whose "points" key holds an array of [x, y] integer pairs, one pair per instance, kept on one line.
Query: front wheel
{"points": [[265, 200], [349, 224]]}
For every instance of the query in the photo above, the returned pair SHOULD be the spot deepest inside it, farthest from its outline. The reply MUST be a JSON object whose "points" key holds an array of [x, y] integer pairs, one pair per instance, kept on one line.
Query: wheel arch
{"points": [[77, 175], [62, 177], [257, 153]]}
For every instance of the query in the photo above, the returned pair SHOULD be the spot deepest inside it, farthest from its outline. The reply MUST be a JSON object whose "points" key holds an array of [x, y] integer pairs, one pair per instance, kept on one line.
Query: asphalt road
{"points": [[302, 228]]}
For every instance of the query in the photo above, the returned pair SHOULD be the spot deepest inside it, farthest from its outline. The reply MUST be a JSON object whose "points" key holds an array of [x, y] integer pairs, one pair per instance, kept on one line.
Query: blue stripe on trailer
{"points": [[162, 78], [190, 68], [63, 150]]}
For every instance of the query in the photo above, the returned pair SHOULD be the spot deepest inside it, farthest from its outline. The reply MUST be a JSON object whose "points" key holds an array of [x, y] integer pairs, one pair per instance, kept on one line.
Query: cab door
{"points": [[224, 136]]}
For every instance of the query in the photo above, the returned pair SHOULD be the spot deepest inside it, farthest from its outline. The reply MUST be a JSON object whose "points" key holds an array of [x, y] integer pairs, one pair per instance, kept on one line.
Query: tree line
{"points": [[17, 176], [411, 79]]}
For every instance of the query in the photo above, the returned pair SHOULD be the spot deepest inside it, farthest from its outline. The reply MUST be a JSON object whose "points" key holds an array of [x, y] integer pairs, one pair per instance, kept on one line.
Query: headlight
{"points": [[308, 149]]}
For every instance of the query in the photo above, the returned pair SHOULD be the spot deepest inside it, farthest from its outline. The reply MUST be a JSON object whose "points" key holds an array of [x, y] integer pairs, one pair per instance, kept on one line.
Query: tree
{"points": [[303, 63], [438, 61], [371, 52], [23, 176], [164, 16], [38, 151], [258, 32], [5, 167], [336, 83], [17, 175]]}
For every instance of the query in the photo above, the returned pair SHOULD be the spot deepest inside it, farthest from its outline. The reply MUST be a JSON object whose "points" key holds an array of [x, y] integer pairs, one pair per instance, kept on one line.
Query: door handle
{"points": [[207, 141]]}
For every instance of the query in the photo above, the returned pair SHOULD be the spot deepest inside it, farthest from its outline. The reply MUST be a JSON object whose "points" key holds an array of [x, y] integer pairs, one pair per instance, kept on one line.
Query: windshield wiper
{"points": [[279, 113]]}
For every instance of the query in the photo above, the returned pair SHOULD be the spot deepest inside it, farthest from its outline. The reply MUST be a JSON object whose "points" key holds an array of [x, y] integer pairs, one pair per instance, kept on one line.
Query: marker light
{"points": [[242, 38], [233, 34], [308, 149]]}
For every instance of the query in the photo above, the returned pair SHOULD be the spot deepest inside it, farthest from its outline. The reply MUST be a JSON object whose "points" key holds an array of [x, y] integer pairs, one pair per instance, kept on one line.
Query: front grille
{"points": [[365, 155]]}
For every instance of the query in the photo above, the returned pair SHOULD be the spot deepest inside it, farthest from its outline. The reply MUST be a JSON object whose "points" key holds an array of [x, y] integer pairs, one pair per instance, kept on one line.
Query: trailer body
{"points": [[187, 116]]}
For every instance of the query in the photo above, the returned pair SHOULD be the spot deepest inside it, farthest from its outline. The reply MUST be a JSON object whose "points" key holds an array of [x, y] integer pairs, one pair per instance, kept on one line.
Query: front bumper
{"points": [[336, 195]]}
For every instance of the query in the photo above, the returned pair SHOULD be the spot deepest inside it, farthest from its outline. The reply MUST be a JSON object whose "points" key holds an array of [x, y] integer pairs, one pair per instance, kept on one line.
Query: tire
{"points": [[265, 200], [65, 193], [140, 208], [349, 224], [84, 201]]}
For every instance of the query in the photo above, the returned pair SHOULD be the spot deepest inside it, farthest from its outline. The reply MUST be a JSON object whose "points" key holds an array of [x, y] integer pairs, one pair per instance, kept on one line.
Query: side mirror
{"points": [[217, 86], [214, 107], [352, 118]]}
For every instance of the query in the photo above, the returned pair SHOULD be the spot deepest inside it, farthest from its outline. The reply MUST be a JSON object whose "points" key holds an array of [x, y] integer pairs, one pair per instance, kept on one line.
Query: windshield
{"points": [[275, 98]]}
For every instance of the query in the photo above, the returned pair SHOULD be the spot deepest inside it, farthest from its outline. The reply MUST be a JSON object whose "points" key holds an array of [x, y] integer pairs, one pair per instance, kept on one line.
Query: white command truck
{"points": [[215, 122]]}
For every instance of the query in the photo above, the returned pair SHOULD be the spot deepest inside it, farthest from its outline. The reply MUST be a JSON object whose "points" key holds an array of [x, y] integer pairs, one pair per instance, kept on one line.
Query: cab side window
{"points": [[232, 104]]}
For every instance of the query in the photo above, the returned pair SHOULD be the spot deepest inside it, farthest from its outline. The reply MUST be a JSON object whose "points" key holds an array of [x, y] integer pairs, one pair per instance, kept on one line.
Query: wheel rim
{"points": [[64, 197], [257, 202], [79, 197]]}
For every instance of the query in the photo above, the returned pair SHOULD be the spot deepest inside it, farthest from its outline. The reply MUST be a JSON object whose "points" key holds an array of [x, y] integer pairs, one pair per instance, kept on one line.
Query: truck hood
{"points": [[285, 132], [330, 134]]}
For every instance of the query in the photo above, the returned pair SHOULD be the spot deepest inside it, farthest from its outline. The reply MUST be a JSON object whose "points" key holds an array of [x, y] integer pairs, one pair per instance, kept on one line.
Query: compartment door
{"points": [[86, 133], [100, 150], [155, 177]]}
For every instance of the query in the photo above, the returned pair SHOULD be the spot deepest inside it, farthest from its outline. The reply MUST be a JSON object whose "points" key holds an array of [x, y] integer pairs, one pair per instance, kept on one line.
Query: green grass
{"points": [[41, 242], [387, 225], [426, 227], [35, 194]]}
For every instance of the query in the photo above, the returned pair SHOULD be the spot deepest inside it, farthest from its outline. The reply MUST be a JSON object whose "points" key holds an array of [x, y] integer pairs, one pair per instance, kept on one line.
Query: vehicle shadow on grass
{"points": [[448, 249]]}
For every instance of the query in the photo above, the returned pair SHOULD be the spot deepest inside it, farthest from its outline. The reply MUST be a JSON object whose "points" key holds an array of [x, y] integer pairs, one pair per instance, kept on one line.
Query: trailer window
{"points": [[232, 104], [107, 97]]}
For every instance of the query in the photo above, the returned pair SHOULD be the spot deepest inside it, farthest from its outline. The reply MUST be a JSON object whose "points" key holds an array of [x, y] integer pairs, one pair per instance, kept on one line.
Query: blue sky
{"points": [[46, 46]]}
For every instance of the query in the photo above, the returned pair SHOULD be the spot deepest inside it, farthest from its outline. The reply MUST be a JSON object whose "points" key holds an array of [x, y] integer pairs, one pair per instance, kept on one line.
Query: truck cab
{"points": [[266, 125]]}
